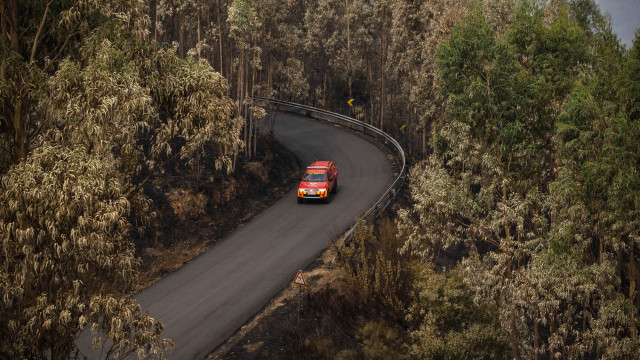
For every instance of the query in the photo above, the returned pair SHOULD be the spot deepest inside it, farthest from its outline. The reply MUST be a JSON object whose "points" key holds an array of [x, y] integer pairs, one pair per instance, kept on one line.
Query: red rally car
{"points": [[320, 180]]}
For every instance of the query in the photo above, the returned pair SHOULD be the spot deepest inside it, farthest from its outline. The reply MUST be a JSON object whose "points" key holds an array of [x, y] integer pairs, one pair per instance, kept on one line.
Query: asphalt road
{"points": [[207, 300]]}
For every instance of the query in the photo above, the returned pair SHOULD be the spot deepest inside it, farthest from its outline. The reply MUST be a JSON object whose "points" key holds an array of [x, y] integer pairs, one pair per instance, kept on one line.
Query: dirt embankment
{"points": [[196, 209]]}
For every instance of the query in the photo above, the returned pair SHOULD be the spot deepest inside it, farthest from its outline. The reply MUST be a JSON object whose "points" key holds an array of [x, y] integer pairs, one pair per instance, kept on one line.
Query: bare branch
{"points": [[37, 37]]}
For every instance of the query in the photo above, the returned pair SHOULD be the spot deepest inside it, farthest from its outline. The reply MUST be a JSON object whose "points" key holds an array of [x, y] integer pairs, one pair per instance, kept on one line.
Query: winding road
{"points": [[207, 300]]}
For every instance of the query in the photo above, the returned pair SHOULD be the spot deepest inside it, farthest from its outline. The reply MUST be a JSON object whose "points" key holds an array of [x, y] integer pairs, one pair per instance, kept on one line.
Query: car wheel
{"points": [[299, 200], [335, 188]]}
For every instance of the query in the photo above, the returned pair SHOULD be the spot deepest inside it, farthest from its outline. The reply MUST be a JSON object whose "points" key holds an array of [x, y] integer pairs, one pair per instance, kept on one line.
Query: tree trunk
{"points": [[38, 33], [632, 289], [181, 34], [324, 89], [239, 89], [155, 21], [198, 33], [15, 122], [382, 89], [13, 25], [230, 56], [551, 333], [220, 32], [536, 340], [3, 23], [515, 338], [254, 125], [370, 71], [19, 138], [348, 50]]}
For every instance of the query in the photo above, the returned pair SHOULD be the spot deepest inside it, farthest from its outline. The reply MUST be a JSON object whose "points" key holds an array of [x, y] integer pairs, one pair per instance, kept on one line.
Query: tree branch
{"points": [[59, 52], [36, 38], [151, 172]]}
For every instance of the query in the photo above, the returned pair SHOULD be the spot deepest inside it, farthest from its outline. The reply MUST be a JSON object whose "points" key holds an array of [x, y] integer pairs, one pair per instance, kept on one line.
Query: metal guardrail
{"points": [[376, 210]]}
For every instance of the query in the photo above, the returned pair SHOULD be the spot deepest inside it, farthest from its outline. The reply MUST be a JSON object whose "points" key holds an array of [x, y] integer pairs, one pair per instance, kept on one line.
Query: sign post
{"points": [[299, 280]]}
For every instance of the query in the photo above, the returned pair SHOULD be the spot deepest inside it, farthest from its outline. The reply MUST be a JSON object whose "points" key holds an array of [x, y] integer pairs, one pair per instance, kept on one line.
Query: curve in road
{"points": [[207, 300]]}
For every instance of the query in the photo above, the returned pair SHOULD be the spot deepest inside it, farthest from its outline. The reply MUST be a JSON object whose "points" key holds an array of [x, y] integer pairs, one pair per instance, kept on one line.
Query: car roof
{"points": [[325, 164], [325, 168]]}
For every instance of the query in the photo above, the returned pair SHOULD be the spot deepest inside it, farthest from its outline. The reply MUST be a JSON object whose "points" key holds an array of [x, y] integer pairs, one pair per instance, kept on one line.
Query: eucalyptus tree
{"points": [[594, 197], [528, 209], [370, 41], [267, 35], [417, 28], [283, 64], [66, 260], [326, 41], [107, 110], [36, 36], [174, 20], [451, 324], [244, 27], [321, 23], [193, 26], [141, 102], [339, 35]]}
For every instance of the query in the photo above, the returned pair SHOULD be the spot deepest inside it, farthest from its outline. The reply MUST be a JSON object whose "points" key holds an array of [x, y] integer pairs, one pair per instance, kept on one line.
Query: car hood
{"points": [[313, 185]]}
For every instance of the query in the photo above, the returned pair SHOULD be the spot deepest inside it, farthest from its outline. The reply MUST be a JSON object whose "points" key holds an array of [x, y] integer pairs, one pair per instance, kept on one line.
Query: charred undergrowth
{"points": [[194, 208]]}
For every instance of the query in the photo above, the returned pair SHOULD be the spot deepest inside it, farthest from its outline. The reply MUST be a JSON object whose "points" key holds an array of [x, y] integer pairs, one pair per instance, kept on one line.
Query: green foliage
{"points": [[450, 324], [496, 100], [629, 80], [291, 76], [375, 265], [467, 52], [379, 341], [442, 210], [532, 173], [376, 340]]}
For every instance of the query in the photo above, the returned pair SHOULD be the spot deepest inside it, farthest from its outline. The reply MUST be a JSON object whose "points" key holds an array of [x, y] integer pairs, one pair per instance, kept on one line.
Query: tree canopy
{"points": [[521, 117], [92, 110]]}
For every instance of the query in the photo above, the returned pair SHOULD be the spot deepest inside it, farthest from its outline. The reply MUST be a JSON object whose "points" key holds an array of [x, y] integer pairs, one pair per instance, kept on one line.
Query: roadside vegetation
{"points": [[126, 124], [520, 236]]}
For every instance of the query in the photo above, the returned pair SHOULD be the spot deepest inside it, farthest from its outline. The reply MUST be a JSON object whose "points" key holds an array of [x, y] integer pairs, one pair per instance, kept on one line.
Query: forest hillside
{"points": [[520, 236]]}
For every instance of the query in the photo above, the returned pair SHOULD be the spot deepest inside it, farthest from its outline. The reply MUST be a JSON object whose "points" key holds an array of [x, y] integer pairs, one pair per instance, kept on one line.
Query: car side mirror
{"points": [[330, 179]]}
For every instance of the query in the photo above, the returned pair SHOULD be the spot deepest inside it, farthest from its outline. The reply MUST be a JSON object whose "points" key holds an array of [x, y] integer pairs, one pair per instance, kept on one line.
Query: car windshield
{"points": [[315, 177]]}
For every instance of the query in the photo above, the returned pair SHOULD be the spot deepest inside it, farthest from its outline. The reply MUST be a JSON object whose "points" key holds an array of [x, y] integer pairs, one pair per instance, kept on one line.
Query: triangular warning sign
{"points": [[299, 280]]}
